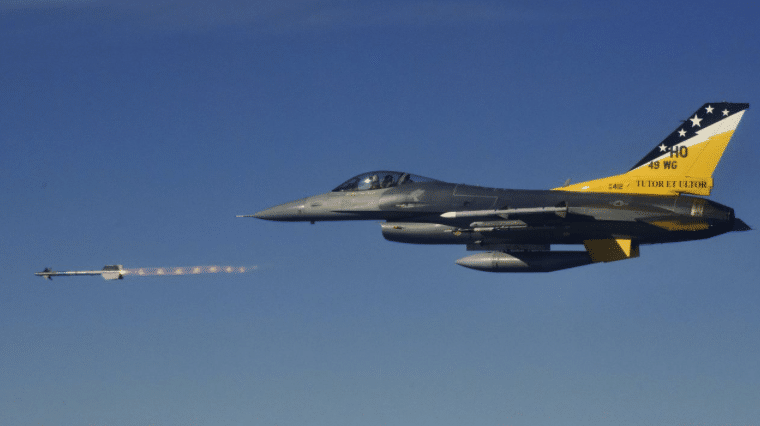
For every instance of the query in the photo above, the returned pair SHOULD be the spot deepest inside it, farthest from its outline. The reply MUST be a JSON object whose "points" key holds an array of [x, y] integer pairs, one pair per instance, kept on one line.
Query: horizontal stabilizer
{"points": [[739, 225], [610, 250]]}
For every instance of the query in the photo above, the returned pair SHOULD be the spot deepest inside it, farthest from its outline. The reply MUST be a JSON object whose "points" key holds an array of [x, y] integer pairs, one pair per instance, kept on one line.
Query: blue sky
{"points": [[135, 133]]}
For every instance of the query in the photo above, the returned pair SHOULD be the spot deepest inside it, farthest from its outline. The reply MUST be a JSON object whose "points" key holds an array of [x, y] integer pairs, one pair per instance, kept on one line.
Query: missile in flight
{"points": [[109, 272], [117, 272]]}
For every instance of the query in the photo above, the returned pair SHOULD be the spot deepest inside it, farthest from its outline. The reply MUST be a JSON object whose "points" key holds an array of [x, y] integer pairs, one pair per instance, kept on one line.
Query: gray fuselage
{"points": [[413, 214]]}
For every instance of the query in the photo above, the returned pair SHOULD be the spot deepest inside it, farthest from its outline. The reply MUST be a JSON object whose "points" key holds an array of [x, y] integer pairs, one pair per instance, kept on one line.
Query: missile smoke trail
{"points": [[189, 270], [113, 272]]}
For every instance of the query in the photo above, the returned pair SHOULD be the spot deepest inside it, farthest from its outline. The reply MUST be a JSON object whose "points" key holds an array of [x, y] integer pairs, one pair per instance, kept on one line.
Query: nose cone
{"points": [[311, 209], [292, 211], [267, 214], [330, 206]]}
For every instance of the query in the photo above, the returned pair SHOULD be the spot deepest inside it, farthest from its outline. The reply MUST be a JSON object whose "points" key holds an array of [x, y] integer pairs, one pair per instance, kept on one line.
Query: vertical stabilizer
{"points": [[684, 162]]}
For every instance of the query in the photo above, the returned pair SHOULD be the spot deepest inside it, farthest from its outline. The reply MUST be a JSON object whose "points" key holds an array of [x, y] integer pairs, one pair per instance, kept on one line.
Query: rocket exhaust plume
{"points": [[188, 270]]}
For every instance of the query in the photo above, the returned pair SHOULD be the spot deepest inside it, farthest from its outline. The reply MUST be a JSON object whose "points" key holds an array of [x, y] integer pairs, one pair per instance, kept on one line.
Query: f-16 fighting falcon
{"points": [[611, 217]]}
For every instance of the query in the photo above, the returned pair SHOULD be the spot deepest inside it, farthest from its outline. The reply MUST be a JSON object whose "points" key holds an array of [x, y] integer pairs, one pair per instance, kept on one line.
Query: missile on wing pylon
{"points": [[109, 272]]}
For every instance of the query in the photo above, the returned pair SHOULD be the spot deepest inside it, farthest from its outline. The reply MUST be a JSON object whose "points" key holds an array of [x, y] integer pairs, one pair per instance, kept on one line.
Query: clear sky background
{"points": [[134, 132]]}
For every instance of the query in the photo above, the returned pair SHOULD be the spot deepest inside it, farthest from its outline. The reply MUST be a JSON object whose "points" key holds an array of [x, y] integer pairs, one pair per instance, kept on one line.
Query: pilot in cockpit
{"points": [[387, 181], [375, 184]]}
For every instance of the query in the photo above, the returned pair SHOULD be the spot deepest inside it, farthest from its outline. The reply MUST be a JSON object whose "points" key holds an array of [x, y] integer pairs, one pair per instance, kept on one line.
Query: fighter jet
{"points": [[109, 272], [659, 200]]}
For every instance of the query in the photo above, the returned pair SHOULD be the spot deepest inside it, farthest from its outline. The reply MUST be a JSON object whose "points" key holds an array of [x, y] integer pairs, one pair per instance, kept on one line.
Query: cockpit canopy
{"points": [[379, 180]]}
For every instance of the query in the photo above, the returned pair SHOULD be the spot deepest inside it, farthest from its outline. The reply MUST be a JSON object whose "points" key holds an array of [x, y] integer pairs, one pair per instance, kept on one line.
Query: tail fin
{"points": [[113, 272], [683, 163]]}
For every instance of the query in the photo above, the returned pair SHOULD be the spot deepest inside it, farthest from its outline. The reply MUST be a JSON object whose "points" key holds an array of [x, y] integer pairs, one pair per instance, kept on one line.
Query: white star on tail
{"points": [[682, 133], [725, 112], [695, 121], [709, 109], [663, 148]]}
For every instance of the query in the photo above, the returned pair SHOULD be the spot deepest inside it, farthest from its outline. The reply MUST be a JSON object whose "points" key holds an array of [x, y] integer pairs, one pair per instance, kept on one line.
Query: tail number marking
{"points": [[679, 151], [675, 152]]}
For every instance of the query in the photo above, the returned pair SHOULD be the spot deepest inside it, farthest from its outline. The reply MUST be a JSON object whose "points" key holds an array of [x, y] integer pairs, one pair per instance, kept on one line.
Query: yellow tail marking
{"points": [[681, 224], [709, 155], [629, 183], [685, 168], [610, 250]]}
